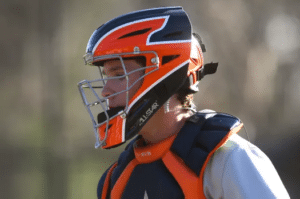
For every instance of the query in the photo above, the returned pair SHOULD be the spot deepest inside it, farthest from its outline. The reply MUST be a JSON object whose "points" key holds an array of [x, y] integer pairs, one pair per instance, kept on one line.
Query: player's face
{"points": [[114, 68]]}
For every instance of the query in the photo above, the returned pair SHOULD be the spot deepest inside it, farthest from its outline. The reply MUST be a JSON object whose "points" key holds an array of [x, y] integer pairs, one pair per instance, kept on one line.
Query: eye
{"points": [[120, 75], [113, 72]]}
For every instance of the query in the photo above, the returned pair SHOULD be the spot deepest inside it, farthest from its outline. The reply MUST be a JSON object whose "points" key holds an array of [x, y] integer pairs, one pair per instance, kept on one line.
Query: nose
{"points": [[107, 90]]}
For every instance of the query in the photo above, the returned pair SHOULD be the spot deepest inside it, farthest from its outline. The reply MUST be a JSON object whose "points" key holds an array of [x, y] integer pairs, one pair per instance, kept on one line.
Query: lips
{"points": [[112, 104]]}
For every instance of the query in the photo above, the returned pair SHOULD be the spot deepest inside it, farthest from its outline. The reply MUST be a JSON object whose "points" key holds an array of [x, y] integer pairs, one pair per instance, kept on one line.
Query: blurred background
{"points": [[47, 140]]}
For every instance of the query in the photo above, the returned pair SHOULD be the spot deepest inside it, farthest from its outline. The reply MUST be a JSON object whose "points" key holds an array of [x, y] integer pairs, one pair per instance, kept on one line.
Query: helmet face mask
{"points": [[97, 102], [162, 36]]}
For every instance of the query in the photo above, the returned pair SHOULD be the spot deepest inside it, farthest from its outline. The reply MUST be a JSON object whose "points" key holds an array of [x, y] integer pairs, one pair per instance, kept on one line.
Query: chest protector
{"points": [[172, 168]]}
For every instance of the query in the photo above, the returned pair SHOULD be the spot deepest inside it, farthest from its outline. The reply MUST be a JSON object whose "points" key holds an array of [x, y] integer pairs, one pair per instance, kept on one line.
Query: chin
{"points": [[115, 105]]}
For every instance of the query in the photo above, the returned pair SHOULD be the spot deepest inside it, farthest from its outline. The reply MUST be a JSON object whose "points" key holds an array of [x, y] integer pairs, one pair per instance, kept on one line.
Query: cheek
{"points": [[137, 85], [118, 85]]}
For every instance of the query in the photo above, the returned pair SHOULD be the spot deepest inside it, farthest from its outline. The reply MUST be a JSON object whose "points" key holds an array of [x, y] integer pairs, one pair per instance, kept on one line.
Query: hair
{"points": [[185, 97]]}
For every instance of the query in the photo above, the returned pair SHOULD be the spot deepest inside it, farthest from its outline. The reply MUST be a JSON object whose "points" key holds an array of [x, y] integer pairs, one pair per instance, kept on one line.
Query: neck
{"points": [[163, 125]]}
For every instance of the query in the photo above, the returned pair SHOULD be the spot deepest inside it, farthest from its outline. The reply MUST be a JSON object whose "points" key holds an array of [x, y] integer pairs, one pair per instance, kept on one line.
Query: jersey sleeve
{"points": [[241, 170]]}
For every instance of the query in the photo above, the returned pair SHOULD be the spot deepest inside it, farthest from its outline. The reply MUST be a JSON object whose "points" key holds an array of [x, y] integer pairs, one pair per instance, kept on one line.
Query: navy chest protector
{"points": [[171, 169]]}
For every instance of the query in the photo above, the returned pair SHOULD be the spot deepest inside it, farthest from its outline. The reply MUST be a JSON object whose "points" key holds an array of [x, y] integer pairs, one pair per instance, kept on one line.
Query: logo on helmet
{"points": [[148, 113]]}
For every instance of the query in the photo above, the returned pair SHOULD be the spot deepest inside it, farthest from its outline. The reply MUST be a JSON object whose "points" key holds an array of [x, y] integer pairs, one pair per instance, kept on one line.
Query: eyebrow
{"points": [[113, 69]]}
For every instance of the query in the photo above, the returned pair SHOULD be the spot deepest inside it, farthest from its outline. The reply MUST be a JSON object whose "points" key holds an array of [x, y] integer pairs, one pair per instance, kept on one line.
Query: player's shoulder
{"points": [[200, 136], [236, 142], [240, 161], [237, 147], [235, 153], [216, 122], [234, 145], [213, 119]]}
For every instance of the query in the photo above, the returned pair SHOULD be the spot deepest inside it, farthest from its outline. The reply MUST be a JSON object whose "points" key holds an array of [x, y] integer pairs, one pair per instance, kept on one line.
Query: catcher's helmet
{"points": [[174, 59]]}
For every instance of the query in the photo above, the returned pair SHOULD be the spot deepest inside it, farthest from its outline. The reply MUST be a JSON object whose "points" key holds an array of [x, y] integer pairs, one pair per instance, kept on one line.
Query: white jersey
{"points": [[239, 169]]}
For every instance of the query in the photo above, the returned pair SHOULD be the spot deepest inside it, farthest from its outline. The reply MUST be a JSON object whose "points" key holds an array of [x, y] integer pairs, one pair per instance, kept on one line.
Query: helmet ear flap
{"points": [[205, 69], [197, 68], [196, 59]]}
